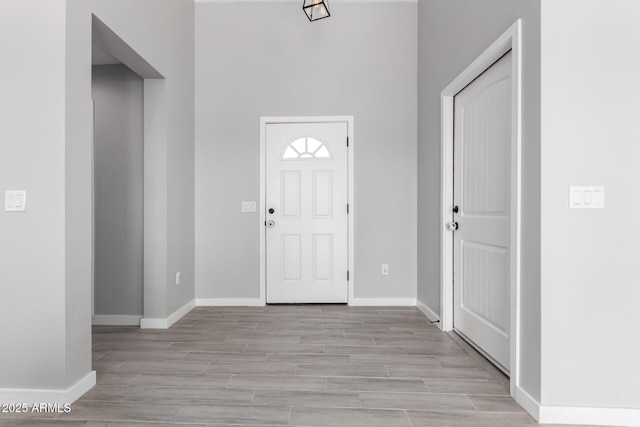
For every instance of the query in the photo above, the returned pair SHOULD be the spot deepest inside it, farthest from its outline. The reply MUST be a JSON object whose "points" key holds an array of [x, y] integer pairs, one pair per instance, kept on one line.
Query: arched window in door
{"points": [[306, 147]]}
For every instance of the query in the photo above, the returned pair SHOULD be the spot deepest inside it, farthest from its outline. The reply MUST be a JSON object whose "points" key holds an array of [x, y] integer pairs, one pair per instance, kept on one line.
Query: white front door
{"points": [[306, 212], [482, 189]]}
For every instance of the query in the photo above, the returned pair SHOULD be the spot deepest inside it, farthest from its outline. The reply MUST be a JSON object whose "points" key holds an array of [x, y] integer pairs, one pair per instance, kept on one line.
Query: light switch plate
{"points": [[248, 206], [15, 201], [581, 197], [385, 269]]}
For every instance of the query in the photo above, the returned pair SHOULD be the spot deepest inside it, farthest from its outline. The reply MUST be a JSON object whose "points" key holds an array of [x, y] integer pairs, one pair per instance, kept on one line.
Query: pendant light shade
{"points": [[316, 9]]}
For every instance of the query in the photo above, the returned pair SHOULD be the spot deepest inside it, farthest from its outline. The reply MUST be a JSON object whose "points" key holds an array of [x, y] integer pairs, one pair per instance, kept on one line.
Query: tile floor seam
{"points": [[470, 401], [408, 418], [133, 380], [119, 366], [228, 381]]}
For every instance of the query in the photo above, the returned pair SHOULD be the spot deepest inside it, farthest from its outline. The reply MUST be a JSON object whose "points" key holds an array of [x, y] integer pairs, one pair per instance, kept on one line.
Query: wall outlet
{"points": [[178, 278], [385, 269]]}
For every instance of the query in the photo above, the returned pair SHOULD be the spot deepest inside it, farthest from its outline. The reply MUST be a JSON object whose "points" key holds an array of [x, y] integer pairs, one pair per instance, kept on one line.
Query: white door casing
{"points": [[510, 40], [482, 177], [306, 212]]}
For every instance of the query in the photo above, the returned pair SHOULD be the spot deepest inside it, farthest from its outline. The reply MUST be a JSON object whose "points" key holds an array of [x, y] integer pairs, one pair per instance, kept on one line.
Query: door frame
{"points": [[264, 121], [155, 277], [510, 40]]}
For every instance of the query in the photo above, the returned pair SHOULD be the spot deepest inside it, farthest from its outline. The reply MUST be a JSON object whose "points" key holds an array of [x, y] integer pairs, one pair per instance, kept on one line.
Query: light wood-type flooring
{"points": [[315, 365]]}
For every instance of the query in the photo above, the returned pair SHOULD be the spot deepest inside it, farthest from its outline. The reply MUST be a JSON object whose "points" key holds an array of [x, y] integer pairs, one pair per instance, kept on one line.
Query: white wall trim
{"points": [[349, 120], [531, 405], [509, 40], [34, 396], [382, 302], [257, 302], [115, 320], [589, 416], [165, 323], [229, 302], [81, 387], [593, 416], [431, 315], [149, 323]]}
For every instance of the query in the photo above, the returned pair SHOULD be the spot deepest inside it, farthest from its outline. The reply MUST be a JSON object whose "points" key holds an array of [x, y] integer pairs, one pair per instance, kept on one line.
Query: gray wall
{"points": [[452, 34], [45, 253], [32, 158], [118, 178], [590, 276], [257, 60]]}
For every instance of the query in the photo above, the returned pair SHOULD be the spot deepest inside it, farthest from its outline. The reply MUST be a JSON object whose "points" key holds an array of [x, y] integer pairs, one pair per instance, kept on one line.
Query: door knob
{"points": [[452, 226], [271, 210], [455, 209], [271, 223]]}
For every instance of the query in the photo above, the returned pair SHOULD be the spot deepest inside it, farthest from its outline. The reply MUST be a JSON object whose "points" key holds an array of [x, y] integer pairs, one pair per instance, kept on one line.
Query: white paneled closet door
{"points": [[306, 213], [482, 178]]}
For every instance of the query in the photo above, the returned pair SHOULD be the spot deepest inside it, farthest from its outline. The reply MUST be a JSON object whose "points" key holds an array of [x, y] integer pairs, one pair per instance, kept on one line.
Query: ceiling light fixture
{"points": [[316, 9]]}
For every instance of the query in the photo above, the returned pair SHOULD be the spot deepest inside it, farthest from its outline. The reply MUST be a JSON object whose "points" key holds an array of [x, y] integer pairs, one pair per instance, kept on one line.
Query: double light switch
{"points": [[15, 201], [248, 206]]}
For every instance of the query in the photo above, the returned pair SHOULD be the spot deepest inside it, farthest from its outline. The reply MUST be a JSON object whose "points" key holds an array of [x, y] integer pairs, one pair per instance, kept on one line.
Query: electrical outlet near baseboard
{"points": [[385, 269], [178, 278]]}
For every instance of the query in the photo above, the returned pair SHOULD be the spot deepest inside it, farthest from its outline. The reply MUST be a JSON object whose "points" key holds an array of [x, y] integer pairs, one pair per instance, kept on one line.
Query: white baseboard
{"points": [[431, 315], [165, 323], [256, 302], [35, 396], [590, 416], [229, 302], [383, 302], [81, 387], [624, 417], [115, 320], [529, 404]]}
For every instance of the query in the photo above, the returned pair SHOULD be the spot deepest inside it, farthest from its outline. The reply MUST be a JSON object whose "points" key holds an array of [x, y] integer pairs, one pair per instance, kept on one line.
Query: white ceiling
{"points": [[300, 1]]}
